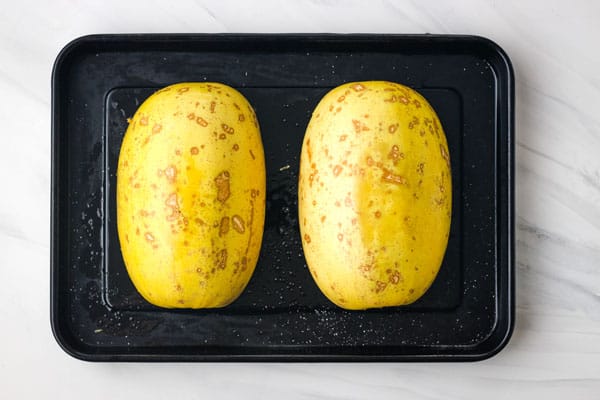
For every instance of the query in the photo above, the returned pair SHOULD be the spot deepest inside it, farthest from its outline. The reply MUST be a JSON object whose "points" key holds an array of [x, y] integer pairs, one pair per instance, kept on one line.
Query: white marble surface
{"points": [[555, 350]]}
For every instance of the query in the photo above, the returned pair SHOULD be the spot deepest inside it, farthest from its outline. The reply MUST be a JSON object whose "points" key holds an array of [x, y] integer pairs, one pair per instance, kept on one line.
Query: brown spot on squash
{"points": [[414, 122], [194, 150], [358, 87], [337, 170], [144, 120], [201, 121], [395, 154], [359, 126], [224, 226], [348, 201], [222, 183], [238, 224], [221, 259], [171, 200], [395, 278], [380, 286], [365, 268], [173, 203], [445, 155], [389, 177], [227, 129], [156, 128], [307, 238], [171, 173]]}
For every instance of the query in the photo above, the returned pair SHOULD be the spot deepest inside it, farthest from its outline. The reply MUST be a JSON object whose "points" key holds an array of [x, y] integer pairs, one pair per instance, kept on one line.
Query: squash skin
{"points": [[375, 195], [191, 189]]}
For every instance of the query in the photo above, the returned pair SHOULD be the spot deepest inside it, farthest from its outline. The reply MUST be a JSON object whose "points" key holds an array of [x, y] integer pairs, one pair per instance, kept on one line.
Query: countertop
{"points": [[555, 349]]}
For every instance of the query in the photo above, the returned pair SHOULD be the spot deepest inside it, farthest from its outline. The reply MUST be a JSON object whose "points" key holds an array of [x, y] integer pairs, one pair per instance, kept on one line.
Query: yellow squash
{"points": [[191, 196], [375, 195]]}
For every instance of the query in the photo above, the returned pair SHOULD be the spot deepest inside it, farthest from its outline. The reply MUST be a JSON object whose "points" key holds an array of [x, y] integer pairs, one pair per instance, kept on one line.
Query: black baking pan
{"points": [[99, 81]]}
